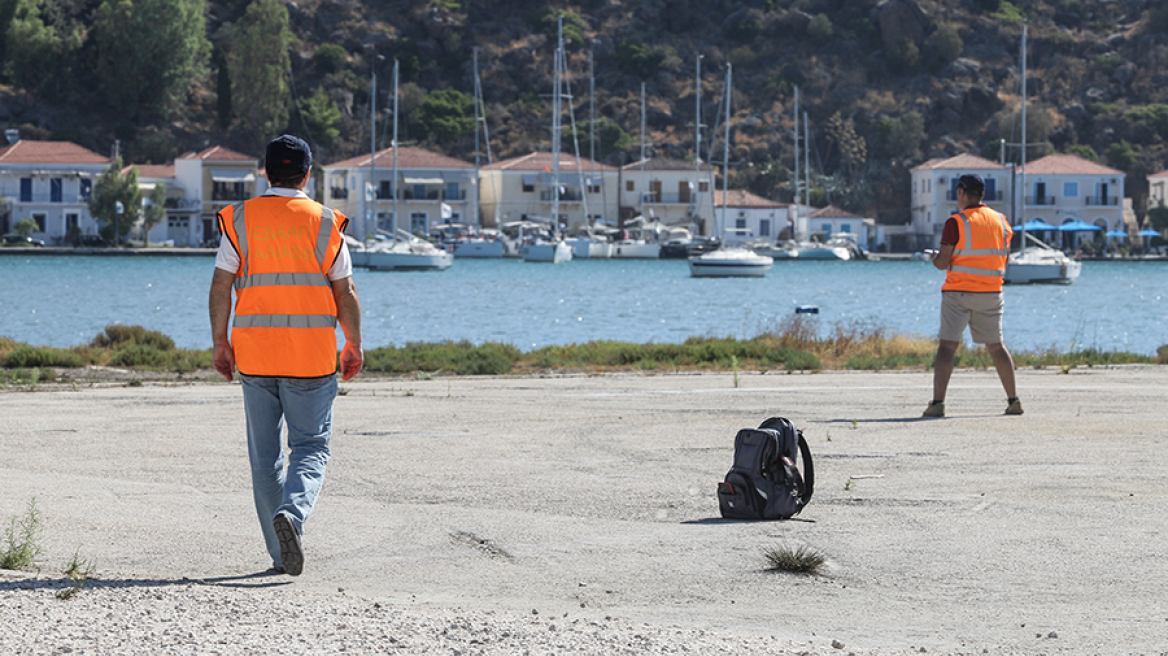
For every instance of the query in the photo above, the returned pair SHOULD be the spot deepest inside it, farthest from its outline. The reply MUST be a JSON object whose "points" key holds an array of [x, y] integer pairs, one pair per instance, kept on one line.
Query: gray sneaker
{"points": [[291, 553], [935, 409], [1015, 407]]}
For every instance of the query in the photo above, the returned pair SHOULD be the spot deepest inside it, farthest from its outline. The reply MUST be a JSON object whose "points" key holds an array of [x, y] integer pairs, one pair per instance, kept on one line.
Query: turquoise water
{"points": [[66, 300]]}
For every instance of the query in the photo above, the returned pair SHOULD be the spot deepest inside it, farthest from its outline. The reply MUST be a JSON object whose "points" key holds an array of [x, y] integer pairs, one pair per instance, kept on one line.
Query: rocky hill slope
{"points": [[886, 84]]}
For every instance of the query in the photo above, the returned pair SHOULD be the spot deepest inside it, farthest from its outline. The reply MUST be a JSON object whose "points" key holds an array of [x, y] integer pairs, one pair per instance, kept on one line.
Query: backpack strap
{"points": [[808, 470]]}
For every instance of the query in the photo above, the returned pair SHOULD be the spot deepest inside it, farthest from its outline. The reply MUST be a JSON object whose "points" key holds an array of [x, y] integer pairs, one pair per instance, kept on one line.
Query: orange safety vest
{"points": [[979, 256], [285, 313]]}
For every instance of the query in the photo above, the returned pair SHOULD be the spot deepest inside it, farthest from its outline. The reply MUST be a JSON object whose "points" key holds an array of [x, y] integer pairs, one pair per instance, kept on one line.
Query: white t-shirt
{"points": [[228, 260]]}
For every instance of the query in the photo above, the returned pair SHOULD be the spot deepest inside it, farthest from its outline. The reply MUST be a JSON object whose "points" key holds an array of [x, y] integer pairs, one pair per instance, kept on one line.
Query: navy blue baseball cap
{"points": [[972, 183], [288, 156]]}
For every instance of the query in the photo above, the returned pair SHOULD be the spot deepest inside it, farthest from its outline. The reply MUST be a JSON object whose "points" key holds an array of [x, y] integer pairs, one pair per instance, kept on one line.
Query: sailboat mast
{"points": [[370, 195], [556, 127], [478, 117], [642, 192], [726, 152], [1022, 180], [796, 194], [393, 217], [806, 162]]}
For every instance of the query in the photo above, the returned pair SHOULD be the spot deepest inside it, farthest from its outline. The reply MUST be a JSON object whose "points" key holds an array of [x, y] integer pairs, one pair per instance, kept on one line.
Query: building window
{"points": [[384, 219], [1071, 189], [703, 187], [630, 185], [40, 221], [764, 228], [26, 190], [827, 229], [71, 221], [419, 223], [228, 191], [593, 188], [384, 190], [86, 188], [452, 191], [528, 187], [55, 185], [845, 227]]}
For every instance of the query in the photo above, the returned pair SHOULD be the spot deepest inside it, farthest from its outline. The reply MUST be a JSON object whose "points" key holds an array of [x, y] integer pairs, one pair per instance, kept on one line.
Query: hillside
{"points": [[886, 84]]}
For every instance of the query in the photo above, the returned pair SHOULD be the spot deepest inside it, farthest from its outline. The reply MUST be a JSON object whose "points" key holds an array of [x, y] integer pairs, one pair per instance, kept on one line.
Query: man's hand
{"points": [[352, 358], [224, 359]]}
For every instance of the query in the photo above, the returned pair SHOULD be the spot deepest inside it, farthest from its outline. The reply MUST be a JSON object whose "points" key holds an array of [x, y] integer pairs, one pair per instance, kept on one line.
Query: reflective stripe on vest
{"points": [[286, 321]]}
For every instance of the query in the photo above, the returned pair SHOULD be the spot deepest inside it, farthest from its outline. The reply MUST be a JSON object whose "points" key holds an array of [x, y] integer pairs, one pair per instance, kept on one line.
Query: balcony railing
{"points": [[1102, 201], [340, 193], [568, 195], [663, 197], [1040, 200], [55, 199], [230, 195]]}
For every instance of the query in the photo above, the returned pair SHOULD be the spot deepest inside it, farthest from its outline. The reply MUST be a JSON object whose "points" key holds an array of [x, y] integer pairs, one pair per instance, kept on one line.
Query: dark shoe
{"points": [[1015, 407], [935, 409], [291, 553]]}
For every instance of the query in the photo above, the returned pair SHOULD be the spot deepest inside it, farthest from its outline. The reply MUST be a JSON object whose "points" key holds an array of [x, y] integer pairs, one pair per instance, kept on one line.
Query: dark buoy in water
{"points": [[806, 309]]}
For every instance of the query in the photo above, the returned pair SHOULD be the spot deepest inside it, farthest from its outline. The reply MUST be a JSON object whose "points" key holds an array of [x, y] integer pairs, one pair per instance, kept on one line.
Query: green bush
{"points": [[141, 356], [24, 356], [1162, 354], [803, 361], [116, 336], [865, 362]]}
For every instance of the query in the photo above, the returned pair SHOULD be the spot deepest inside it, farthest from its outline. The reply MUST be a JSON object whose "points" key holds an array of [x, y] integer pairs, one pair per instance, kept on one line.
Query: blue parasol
{"points": [[1148, 232], [1116, 233], [1034, 225], [1078, 226]]}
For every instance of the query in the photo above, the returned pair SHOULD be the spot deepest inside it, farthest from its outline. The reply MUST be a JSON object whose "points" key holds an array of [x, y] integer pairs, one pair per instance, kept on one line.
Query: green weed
{"points": [[78, 570], [22, 539]]}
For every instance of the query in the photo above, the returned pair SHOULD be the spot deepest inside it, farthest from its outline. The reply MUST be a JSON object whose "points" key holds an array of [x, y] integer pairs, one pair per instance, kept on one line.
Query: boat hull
{"points": [[409, 261], [730, 263], [555, 253], [1058, 273], [483, 248], [639, 250]]}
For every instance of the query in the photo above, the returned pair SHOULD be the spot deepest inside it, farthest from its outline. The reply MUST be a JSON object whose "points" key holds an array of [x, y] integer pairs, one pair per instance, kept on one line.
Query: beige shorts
{"points": [[982, 312]]}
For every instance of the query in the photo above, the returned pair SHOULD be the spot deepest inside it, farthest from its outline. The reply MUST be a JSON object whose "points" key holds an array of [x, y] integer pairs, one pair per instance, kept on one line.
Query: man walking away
{"points": [[974, 246], [285, 255]]}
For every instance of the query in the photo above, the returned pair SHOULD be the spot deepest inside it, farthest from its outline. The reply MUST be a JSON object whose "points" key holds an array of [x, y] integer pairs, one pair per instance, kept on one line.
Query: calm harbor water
{"points": [[66, 300]]}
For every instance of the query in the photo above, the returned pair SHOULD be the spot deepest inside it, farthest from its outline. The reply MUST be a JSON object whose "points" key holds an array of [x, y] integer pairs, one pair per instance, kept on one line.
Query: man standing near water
{"points": [[285, 255], [974, 246]]}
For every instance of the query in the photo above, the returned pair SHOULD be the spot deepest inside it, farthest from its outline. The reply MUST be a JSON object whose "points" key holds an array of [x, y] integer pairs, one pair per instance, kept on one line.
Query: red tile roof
{"points": [[152, 170], [743, 198], [660, 164], [962, 162], [833, 212], [407, 158], [1161, 174], [1068, 165], [49, 152], [538, 161], [218, 154]]}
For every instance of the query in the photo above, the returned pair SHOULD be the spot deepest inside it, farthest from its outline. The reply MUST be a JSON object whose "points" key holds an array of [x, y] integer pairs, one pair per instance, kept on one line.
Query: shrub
{"points": [[803, 361], [330, 57], [944, 45], [41, 356], [141, 356], [1162, 354], [117, 335]]}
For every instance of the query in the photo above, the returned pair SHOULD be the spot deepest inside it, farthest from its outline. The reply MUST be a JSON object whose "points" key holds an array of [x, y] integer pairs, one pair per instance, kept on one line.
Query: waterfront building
{"points": [[49, 182], [209, 180], [1061, 189], [521, 188], [674, 192], [1158, 190], [831, 221], [934, 196], [748, 216], [431, 188]]}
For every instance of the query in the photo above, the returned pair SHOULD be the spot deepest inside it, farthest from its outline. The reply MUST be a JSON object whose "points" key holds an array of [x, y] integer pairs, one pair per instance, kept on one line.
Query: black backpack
{"points": [[764, 482]]}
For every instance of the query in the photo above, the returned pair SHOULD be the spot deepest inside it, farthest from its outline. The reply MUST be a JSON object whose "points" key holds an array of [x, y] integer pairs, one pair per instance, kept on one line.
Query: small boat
{"points": [[1042, 264], [405, 253], [587, 247], [546, 250], [732, 261], [479, 247]]}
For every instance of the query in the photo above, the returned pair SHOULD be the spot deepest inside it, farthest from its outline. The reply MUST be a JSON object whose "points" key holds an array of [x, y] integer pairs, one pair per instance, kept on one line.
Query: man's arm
{"points": [[942, 257], [349, 316], [220, 306]]}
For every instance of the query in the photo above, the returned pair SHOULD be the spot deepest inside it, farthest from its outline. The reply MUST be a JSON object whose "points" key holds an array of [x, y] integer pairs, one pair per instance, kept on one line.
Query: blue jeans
{"points": [[307, 406]]}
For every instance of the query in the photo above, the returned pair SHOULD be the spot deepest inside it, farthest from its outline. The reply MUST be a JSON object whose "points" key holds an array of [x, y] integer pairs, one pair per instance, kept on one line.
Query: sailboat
{"points": [[547, 247], [1042, 263], [733, 258], [397, 250], [479, 245]]}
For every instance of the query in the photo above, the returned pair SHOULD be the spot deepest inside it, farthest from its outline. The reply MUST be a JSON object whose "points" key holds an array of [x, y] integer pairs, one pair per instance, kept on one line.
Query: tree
{"points": [[446, 114], [944, 45], [900, 138], [26, 226], [610, 138], [259, 64], [1158, 218], [321, 115], [114, 190], [39, 55], [853, 149], [154, 211], [149, 74]]}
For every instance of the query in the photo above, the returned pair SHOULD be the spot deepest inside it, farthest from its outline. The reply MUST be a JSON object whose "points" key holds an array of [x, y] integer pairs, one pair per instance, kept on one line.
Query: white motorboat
{"points": [[480, 247], [406, 253], [1041, 264], [636, 249], [824, 251], [732, 261], [589, 248]]}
